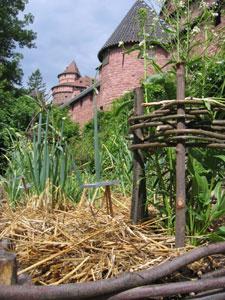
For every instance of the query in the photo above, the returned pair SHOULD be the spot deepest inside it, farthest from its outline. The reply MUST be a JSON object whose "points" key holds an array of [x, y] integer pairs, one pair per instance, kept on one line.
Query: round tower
{"points": [[120, 72], [70, 84]]}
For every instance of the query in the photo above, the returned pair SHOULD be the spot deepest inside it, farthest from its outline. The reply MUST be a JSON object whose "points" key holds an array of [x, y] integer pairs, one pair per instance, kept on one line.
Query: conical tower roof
{"points": [[71, 68], [129, 29]]}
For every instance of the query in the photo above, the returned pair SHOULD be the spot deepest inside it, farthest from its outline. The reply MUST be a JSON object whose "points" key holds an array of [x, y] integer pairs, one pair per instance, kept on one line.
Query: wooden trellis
{"points": [[180, 123]]}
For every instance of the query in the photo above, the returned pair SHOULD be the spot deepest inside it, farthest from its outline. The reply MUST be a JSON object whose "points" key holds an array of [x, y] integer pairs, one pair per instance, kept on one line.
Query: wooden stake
{"points": [[108, 200], [8, 268], [139, 194], [180, 164]]}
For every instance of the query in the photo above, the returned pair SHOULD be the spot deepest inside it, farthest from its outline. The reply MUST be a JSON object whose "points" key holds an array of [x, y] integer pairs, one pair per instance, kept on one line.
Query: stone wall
{"points": [[82, 110], [123, 73], [62, 97], [65, 78]]}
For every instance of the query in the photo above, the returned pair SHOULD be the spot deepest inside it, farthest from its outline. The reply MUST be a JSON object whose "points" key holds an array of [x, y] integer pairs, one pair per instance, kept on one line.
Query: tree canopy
{"points": [[35, 83], [16, 109], [14, 34]]}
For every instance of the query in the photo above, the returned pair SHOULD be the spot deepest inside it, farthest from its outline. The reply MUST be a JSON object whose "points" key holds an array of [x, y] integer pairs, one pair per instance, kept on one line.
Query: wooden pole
{"points": [[108, 199], [96, 140], [8, 268], [180, 164], [139, 194]]}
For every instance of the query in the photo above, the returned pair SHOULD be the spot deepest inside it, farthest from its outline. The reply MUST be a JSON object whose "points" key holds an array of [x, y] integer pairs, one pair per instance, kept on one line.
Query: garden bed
{"points": [[83, 243]]}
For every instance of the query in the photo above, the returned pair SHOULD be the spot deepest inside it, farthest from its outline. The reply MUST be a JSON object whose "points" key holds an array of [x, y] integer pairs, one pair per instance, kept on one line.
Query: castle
{"points": [[118, 72]]}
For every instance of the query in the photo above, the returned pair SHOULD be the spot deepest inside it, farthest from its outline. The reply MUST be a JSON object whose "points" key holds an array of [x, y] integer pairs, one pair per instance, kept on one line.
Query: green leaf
{"points": [[207, 105], [221, 230]]}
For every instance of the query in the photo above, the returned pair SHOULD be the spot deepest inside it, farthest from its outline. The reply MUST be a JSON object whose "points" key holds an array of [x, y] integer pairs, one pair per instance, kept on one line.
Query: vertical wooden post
{"points": [[180, 164], [108, 199], [139, 194], [8, 268], [96, 140]]}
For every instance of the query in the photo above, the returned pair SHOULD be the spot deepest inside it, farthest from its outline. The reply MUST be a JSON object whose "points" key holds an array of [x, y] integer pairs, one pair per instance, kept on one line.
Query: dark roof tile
{"points": [[71, 69], [128, 30]]}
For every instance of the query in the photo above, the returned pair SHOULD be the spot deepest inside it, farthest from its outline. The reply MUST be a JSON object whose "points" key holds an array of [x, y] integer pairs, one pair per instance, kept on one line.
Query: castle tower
{"points": [[119, 71], [70, 84], [122, 72]]}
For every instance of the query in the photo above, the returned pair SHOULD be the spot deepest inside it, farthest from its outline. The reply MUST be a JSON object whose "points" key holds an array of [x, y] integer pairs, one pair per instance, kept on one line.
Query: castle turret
{"points": [[122, 72], [71, 84]]}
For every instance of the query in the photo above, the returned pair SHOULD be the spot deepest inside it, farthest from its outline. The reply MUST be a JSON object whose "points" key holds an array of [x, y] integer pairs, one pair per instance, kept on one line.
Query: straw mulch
{"points": [[83, 243]]}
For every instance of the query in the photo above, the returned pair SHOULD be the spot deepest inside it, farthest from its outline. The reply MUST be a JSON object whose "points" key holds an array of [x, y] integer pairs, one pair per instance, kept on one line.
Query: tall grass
{"points": [[115, 157]]}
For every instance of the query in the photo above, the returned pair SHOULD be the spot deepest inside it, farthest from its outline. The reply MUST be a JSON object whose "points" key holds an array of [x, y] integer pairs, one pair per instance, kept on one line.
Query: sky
{"points": [[70, 30]]}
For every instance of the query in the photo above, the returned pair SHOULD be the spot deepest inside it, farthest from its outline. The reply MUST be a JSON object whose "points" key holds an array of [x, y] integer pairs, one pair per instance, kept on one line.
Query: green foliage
{"points": [[205, 167], [142, 16], [22, 111], [44, 161], [207, 76], [206, 197], [13, 34], [184, 26], [116, 157], [16, 111], [35, 83], [71, 129], [114, 153], [161, 86]]}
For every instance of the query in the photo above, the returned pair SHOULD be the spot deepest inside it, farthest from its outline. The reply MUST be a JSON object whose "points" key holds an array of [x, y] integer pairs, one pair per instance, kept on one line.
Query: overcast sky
{"points": [[70, 29]]}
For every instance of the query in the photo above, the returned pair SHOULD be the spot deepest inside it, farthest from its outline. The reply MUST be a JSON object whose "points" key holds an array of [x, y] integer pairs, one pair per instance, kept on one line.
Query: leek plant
{"points": [[40, 163]]}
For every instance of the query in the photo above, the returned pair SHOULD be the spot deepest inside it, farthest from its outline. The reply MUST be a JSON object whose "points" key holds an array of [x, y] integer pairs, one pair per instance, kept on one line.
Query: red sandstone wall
{"points": [[62, 93], [65, 78], [82, 111], [123, 73], [61, 98]]}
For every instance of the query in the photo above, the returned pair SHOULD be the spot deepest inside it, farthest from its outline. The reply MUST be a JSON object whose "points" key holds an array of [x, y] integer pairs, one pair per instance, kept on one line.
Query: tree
{"points": [[35, 83], [13, 34]]}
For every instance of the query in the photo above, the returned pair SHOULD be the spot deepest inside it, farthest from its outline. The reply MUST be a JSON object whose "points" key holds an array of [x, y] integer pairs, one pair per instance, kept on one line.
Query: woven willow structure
{"points": [[180, 123], [203, 120]]}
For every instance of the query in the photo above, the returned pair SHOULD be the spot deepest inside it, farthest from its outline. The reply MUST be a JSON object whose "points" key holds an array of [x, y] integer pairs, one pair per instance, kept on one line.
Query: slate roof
{"points": [[128, 30], [71, 68]]}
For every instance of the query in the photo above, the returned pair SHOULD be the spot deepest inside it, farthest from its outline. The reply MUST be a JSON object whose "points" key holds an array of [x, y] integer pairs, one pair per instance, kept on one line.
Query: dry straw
{"points": [[83, 244]]}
